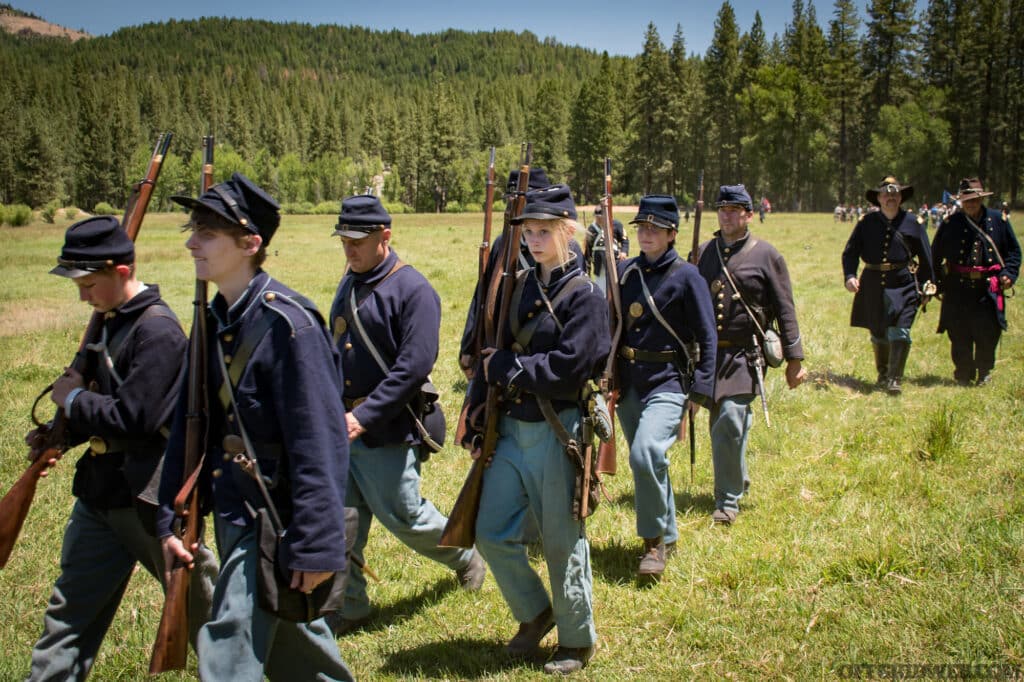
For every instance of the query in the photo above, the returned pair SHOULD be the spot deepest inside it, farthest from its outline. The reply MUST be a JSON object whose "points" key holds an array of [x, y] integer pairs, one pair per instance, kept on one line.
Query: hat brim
{"points": [[653, 221], [191, 203], [973, 195], [742, 204], [73, 273], [351, 232], [905, 193]]}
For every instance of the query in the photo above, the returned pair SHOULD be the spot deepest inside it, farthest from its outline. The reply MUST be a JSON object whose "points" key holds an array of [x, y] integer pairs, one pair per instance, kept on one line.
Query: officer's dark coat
{"points": [[555, 364], [875, 241], [763, 277], [682, 298], [289, 399], [957, 243], [151, 362], [525, 261], [401, 314]]}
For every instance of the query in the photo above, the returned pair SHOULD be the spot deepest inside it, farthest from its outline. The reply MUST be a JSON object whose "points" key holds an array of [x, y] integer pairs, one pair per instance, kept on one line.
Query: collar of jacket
{"points": [[664, 260], [226, 316], [376, 274]]}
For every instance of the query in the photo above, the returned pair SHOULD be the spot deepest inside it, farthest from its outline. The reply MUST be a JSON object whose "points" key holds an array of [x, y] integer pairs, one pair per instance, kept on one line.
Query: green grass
{"points": [[877, 529]]}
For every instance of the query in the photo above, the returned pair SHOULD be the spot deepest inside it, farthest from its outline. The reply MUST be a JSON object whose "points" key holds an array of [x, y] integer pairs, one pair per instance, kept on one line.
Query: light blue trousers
{"points": [[651, 428], [384, 482], [532, 476], [97, 558], [731, 420], [242, 642]]}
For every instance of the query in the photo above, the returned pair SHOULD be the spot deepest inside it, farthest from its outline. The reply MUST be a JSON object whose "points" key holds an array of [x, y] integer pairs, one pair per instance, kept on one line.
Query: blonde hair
{"points": [[565, 228]]}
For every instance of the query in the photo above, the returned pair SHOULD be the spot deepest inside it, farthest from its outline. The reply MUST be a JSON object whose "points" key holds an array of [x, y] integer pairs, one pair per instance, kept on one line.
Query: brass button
{"points": [[721, 294], [348, 346], [529, 315], [231, 417], [228, 338], [538, 303], [721, 316], [227, 359], [720, 306], [519, 401], [270, 296], [348, 382], [727, 249], [719, 327], [227, 457], [110, 314], [217, 473]]}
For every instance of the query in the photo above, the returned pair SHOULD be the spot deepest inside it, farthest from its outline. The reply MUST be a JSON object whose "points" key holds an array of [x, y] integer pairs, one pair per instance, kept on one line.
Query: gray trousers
{"points": [[731, 420], [97, 558], [242, 642]]}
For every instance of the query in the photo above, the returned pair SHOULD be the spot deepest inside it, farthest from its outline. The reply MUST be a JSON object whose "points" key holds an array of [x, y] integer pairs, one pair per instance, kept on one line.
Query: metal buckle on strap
{"points": [[627, 352], [97, 445]]}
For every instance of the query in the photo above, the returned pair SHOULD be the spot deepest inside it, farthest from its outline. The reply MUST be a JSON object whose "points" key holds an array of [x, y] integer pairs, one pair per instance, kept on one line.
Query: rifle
{"points": [[609, 383], [481, 289], [460, 531], [170, 650], [694, 247], [53, 437]]}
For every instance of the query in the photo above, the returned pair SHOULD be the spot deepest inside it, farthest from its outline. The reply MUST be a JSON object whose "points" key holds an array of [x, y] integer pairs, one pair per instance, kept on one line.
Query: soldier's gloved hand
{"points": [[852, 285]]}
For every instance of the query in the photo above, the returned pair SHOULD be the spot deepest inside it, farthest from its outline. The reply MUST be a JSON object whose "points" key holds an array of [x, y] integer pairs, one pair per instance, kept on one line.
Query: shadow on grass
{"points": [[822, 380], [928, 380], [615, 562], [461, 658], [403, 608], [686, 500]]}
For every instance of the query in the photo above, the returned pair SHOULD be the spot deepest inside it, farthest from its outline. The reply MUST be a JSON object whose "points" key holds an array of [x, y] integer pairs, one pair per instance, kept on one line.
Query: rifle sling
{"points": [[987, 238]]}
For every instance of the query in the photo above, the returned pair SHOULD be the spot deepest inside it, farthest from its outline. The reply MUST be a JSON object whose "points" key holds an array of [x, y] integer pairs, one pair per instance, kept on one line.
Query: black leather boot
{"points": [[881, 362], [898, 352]]}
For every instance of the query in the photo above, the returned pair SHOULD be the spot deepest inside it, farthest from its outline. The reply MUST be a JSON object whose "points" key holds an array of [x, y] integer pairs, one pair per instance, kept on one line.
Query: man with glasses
{"points": [[895, 280], [751, 291]]}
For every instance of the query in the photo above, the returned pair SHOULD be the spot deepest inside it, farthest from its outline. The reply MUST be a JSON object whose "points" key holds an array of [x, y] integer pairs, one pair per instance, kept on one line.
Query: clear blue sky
{"points": [[616, 26]]}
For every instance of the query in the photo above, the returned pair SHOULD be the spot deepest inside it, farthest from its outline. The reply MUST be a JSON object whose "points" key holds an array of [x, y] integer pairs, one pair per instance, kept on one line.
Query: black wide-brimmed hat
{"points": [[538, 179], [239, 201], [549, 203], [734, 195], [889, 185], [360, 216], [92, 245], [971, 188], [660, 210]]}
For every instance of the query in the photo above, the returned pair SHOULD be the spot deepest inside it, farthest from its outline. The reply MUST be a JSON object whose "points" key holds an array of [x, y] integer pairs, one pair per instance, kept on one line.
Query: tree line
{"points": [[315, 113]]}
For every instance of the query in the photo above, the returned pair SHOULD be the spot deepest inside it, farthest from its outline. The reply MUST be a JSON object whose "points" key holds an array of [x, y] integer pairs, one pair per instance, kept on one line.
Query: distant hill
{"points": [[22, 23]]}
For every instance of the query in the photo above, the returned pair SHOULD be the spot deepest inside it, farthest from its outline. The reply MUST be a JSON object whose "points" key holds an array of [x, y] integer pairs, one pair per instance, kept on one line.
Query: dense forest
{"points": [[809, 118]]}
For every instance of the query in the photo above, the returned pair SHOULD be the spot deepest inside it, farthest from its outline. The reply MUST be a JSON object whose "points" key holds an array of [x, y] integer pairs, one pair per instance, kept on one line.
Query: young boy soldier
{"points": [[120, 408], [386, 313]]}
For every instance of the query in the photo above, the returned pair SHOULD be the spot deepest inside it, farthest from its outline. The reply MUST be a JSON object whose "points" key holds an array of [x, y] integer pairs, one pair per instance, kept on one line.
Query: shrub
{"points": [[70, 212], [49, 212], [297, 208], [103, 208], [17, 215], [395, 207], [327, 208]]}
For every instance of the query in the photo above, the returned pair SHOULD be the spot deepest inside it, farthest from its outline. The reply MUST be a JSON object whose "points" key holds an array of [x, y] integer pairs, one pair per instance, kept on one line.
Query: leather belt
{"points": [[974, 274], [647, 355], [725, 343], [885, 267], [352, 403]]}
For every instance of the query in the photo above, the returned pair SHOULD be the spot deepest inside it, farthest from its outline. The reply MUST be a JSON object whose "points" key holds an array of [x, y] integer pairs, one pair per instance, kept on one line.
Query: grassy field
{"points": [[877, 529]]}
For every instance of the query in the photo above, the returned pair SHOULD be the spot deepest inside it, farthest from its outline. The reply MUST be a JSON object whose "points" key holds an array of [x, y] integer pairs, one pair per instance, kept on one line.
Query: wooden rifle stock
{"points": [[170, 650], [606, 458], [18, 500], [460, 530], [481, 290]]}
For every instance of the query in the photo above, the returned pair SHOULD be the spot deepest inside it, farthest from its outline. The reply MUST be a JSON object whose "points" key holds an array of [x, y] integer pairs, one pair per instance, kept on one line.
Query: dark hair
{"points": [[212, 220]]}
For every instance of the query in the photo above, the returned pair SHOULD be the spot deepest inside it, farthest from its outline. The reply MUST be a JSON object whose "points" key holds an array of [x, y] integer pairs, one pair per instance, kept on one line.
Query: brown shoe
{"points": [[723, 516], [568, 660], [652, 563], [471, 576], [526, 641]]}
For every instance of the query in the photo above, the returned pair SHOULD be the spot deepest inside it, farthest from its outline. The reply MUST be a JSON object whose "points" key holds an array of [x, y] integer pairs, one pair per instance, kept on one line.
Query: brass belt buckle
{"points": [[627, 352], [97, 445]]}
